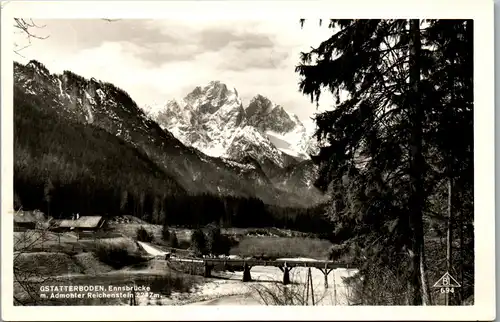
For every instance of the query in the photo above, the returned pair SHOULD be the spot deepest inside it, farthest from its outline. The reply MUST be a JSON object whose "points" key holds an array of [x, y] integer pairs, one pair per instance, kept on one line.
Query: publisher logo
{"points": [[447, 283]]}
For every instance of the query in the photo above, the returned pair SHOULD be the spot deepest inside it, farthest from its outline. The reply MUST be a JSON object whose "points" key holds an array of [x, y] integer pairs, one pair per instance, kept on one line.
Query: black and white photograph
{"points": [[207, 160]]}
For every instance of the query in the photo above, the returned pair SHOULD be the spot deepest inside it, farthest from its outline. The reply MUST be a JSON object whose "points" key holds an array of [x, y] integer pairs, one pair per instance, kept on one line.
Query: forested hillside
{"points": [[63, 166], [70, 167]]}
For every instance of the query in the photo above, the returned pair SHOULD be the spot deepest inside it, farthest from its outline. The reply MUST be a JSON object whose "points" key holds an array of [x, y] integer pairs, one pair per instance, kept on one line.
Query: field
{"points": [[276, 247], [184, 234]]}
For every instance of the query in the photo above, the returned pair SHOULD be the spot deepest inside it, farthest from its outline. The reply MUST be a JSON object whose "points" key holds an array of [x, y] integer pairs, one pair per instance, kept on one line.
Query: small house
{"points": [[24, 220], [83, 223]]}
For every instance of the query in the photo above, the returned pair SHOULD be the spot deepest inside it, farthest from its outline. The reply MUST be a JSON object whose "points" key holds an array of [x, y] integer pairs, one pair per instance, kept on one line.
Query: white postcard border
{"points": [[482, 13]]}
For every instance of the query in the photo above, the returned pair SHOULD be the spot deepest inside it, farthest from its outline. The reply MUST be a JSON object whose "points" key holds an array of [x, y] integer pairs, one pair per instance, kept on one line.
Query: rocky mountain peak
{"points": [[258, 105], [263, 114], [211, 97], [212, 119]]}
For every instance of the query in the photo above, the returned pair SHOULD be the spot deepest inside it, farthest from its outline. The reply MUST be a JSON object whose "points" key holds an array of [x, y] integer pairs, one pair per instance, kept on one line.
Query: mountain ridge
{"points": [[103, 105], [213, 119]]}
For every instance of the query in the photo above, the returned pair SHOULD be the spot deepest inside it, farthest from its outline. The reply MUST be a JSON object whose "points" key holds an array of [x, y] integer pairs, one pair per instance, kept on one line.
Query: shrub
{"points": [[343, 253], [378, 285], [259, 232], [217, 243], [184, 244], [165, 284], [116, 256], [143, 235], [226, 243], [284, 295]]}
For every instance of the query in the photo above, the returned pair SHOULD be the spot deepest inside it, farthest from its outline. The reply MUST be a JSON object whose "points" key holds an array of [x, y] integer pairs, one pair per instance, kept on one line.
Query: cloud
{"points": [[214, 39], [156, 60], [233, 58]]}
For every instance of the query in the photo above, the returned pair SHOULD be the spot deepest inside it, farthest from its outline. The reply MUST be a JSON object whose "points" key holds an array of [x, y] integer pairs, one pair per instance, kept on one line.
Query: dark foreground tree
{"points": [[451, 134], [383, 150]]}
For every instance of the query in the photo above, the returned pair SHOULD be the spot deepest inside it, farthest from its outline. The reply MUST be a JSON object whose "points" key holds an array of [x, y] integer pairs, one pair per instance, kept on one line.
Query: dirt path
{"points": [[152, 250]]}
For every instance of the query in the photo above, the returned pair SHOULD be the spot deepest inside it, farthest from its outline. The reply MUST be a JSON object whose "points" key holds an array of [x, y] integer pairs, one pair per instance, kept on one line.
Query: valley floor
{"points": [[64, 259]]}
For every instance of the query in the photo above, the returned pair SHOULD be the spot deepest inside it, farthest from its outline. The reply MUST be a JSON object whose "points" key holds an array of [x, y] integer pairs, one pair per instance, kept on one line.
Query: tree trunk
{"points": [[461, 233], [419, 289], [426, 296], [449, 236], [123, 200]]}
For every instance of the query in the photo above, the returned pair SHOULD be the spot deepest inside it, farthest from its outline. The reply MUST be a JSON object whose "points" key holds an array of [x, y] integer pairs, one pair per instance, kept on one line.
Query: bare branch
{"points": [[25, 26], [18, 50], [28, 278]]}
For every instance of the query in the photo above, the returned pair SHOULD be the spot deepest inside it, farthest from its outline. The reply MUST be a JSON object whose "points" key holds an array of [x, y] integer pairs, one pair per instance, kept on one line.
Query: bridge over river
{"points": [[284, 264]]}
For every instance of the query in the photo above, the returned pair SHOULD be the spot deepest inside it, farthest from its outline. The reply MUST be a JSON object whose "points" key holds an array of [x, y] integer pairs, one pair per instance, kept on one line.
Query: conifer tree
{"points": [[173, 241], [380, 143], [47, 192]]}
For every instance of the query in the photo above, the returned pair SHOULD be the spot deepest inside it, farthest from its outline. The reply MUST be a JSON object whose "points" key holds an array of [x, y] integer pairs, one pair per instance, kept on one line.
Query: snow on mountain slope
{"points": [[283, 128], [206, 119], [213, 120], [248, 141]]}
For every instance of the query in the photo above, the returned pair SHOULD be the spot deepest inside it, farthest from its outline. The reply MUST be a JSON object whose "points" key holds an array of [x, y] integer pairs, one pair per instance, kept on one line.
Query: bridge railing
{"points": [[276, 263]]}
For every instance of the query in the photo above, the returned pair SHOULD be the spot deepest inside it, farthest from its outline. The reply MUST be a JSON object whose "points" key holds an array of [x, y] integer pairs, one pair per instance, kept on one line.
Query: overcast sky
{"points": [[157, 60]]}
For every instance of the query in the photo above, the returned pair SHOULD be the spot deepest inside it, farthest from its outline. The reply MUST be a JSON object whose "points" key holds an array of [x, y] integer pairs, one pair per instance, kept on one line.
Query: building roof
{"points": [[55, 222], [82, 222], [29, 216]]}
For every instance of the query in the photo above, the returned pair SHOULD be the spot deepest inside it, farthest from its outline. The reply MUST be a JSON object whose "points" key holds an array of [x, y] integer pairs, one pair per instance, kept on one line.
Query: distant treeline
{"points": [[63, 167], [196, 211]]}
